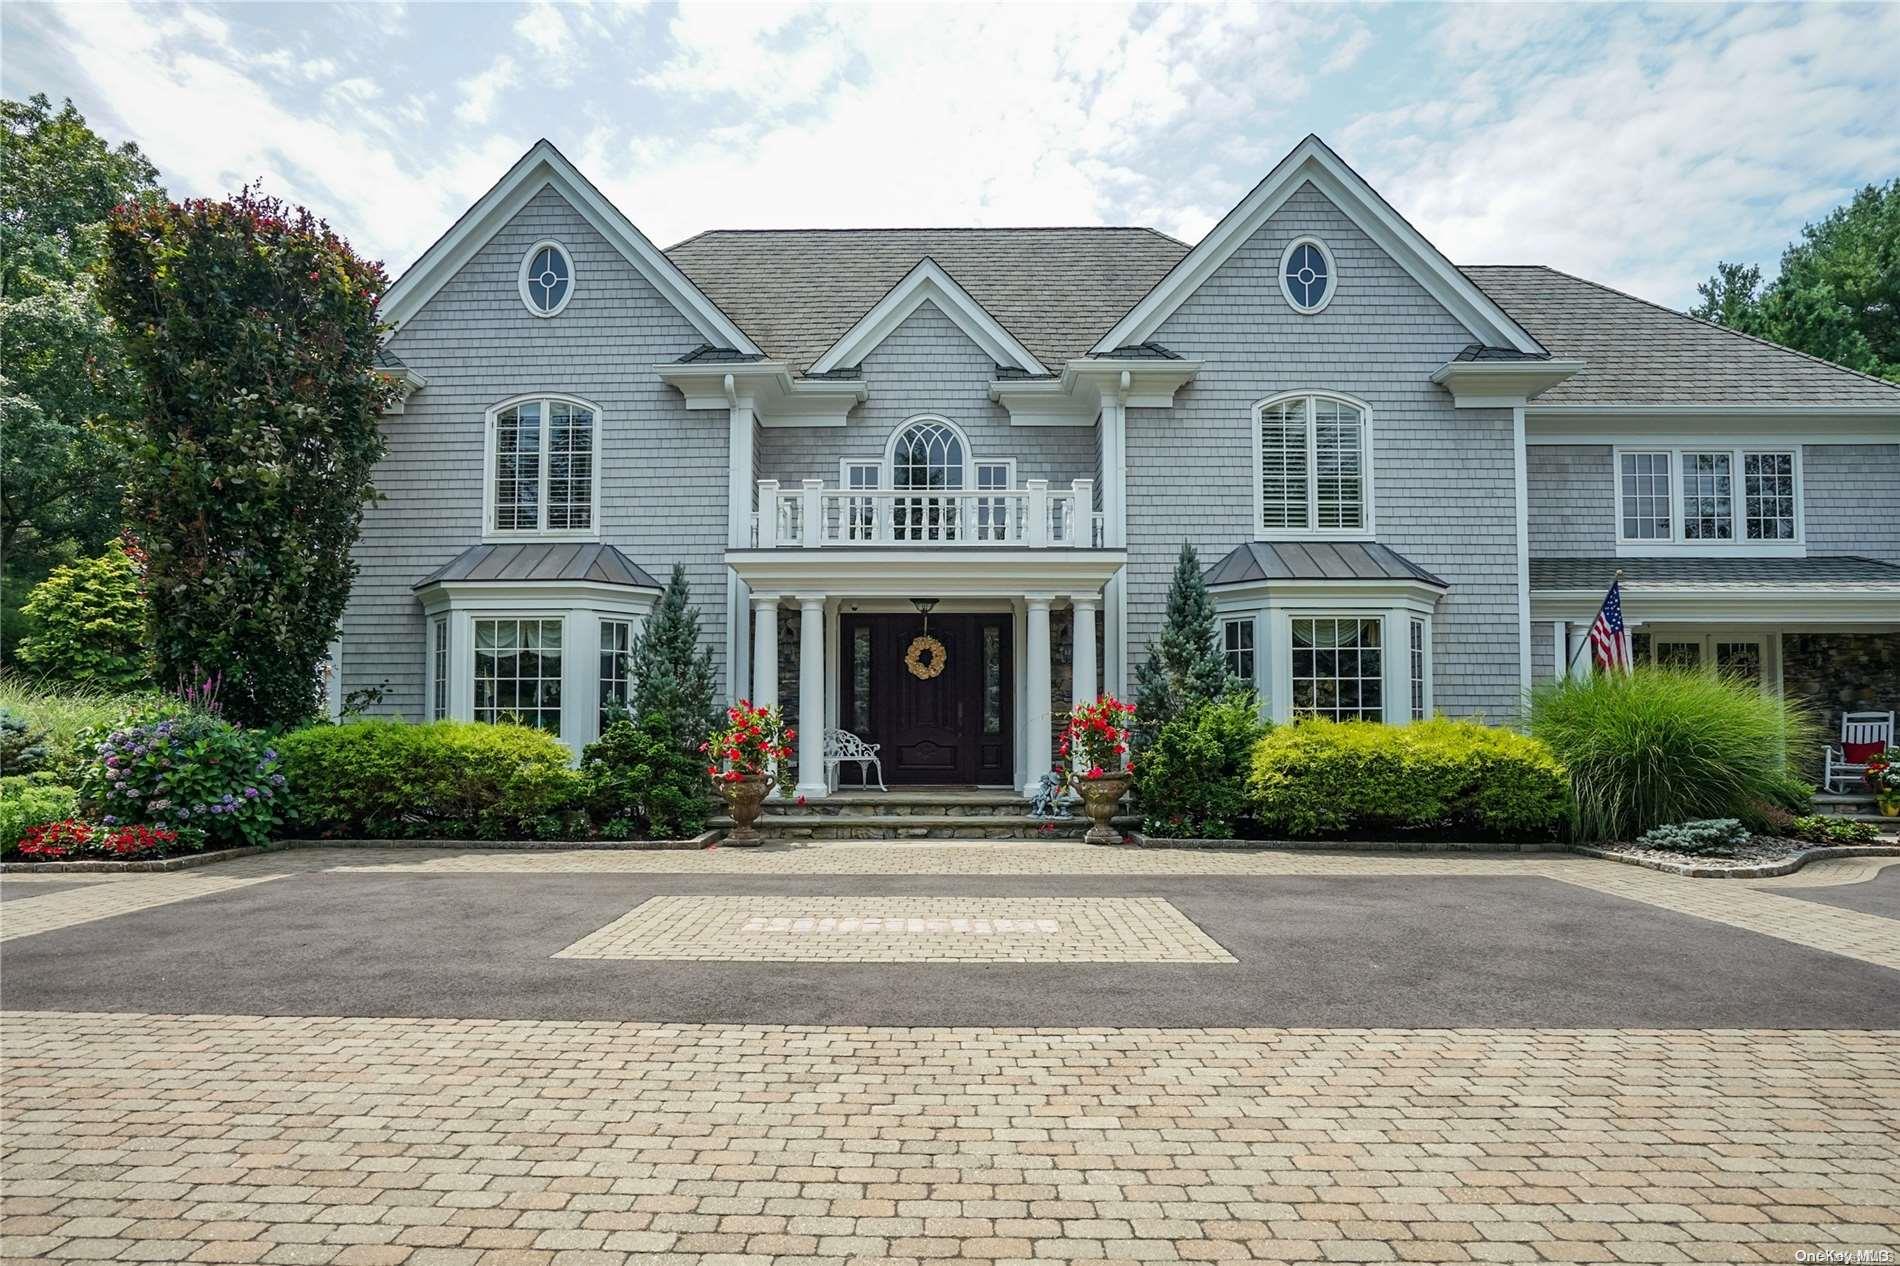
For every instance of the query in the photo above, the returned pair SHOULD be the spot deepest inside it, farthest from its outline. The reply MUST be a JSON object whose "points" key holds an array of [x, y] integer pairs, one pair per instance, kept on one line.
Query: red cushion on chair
{"points": [[1860, 753]]}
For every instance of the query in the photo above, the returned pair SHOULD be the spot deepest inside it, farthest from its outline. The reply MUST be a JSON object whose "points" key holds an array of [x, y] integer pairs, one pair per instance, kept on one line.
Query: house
{"points": [[929, 484]]}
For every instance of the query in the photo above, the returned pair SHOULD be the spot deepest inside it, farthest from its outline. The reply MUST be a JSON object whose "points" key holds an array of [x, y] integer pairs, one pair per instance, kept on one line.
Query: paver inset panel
{"points": [[788, 929]]}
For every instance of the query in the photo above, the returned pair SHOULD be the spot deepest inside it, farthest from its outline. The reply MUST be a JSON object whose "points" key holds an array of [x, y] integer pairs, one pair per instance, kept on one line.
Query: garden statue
{"points": [[1048, 800]]}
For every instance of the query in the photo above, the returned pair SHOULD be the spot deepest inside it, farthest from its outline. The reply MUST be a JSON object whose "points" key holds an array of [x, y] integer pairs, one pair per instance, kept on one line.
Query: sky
{"points": [[1633, 145]]}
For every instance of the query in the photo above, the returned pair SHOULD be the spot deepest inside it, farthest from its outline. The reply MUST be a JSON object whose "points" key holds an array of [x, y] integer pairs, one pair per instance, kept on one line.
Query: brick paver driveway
{"points": [[1030, 1052]]}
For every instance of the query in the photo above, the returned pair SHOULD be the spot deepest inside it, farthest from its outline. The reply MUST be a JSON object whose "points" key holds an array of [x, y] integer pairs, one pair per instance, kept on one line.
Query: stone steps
{"points": [[938, 814]]}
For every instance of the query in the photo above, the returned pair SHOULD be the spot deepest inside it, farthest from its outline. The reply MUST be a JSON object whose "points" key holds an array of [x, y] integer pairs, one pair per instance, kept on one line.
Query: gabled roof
{"points": [[1311, 162], [927, 283], [1829, 571], [1639, 353], [542, 562], [1253, 561], [541, 167], [798, 290]]}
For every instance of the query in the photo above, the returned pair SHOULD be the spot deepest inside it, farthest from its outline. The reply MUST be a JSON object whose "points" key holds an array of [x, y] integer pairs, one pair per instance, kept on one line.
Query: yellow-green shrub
{"points": [[1320, 778], [450, 779]]}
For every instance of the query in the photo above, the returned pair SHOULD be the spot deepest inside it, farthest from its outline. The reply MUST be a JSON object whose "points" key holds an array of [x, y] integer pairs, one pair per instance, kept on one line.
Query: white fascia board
{"points": [[942, 572], [1696, 424], [535, 595], [1075, 398], [408, 383], [927, 283], [1476, 384], [1311, 161], [768, 388], [1416, 593], [543, 166], [1655, 603]]}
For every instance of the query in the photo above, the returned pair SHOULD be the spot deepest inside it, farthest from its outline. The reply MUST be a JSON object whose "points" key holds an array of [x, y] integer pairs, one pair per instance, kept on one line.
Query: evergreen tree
{"points": [[1185, 667], [672, 674]]}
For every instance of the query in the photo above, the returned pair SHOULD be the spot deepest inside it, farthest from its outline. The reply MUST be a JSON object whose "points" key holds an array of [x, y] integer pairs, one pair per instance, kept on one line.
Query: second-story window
{"points": [[1707, 495], [542, 464], [1312, 466]]}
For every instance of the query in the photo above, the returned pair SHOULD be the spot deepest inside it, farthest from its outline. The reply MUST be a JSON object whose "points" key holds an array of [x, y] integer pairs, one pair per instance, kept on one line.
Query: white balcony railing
{"points": [[1034, 516]]}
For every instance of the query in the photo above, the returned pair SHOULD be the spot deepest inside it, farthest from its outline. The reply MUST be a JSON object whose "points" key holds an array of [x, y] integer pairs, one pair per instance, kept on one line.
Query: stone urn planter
{"points": [[1101, 797], [745, 799]]}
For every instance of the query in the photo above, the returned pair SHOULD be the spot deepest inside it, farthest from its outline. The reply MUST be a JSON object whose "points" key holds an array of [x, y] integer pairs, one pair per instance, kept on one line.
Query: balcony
{"points": [[1034, 516]]}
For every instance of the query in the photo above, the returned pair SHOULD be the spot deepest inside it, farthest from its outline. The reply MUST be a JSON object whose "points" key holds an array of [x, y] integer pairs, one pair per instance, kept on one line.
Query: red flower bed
{"points": [[72, 840]]}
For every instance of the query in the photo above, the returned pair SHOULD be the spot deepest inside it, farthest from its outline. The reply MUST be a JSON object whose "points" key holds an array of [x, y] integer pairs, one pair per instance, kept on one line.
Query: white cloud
{"points": [[480, 91]]}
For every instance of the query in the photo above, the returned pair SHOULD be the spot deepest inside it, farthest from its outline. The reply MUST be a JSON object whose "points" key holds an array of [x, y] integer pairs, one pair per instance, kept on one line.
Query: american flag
{"points": [[1609, 640]]}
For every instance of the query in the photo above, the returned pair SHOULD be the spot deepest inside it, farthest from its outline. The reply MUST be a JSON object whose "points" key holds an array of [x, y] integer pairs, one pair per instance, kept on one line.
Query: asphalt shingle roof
{"points": [[796, 291], [1636, 352], [1831, 571], [542, 562], [1253, 561]]}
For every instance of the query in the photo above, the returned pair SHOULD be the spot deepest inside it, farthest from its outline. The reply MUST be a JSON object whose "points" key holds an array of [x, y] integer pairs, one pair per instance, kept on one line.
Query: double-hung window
{"points": [[1237, 647], [1712, 496], [1313, 468], [439, 668], [616, 678], [542, 466]]}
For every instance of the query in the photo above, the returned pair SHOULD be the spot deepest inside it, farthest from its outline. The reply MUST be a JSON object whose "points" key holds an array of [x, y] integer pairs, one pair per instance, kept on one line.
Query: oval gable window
{"points": [[1306, 274], [547, 278]]}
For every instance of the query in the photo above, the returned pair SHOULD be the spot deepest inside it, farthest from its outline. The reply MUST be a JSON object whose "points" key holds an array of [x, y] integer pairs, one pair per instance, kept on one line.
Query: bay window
{"points": [[1338, 668], [518, 672], [1707, 497]]}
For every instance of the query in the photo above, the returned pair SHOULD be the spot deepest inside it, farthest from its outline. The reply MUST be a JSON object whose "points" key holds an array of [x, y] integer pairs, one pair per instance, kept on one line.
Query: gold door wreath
{"points": [[914, 657]]}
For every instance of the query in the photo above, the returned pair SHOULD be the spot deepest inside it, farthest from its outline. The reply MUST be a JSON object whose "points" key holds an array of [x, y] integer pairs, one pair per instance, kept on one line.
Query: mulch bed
{"points": [[1764, 856]]}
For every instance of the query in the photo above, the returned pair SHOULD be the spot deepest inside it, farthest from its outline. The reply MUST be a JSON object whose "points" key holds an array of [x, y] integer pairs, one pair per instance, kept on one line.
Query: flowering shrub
{"points": [[1883, 772], [755, 743], [1098, 737], [199, 775], [70, 838]]}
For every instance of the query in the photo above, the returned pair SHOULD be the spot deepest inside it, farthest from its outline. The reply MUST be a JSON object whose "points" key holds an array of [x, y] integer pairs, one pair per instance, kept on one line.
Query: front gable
{"points": [[927, 284], [544, 169], [1314, 170]]}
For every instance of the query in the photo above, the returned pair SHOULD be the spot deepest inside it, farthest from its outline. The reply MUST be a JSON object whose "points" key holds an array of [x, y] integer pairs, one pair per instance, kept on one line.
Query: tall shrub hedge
{"points": [[449, 779], [1664, 745], [1320, 778], [1191, 783]]}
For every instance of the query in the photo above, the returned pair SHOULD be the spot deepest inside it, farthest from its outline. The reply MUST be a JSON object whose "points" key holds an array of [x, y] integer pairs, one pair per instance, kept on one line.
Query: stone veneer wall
{"points": [[1842, 672]]}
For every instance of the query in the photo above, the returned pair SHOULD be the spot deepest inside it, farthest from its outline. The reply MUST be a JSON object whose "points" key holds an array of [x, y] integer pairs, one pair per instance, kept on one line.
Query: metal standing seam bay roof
{"points": [[1254, 561], [542, 562], [1639, 353], [1830, 571], [796, 291]]}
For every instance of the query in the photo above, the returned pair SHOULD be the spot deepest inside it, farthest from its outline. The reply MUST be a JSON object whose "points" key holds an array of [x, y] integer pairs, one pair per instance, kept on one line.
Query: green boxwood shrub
{"points": [[1191, 782], [446, 779], [27, 802], [643, 782], [1665, 745], [1711, 835], [1320, 778]]}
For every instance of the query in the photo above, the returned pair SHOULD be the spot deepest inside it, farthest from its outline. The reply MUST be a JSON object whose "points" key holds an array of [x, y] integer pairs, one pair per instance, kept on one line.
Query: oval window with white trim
{"points": [[1307, 274], [547, 278]]}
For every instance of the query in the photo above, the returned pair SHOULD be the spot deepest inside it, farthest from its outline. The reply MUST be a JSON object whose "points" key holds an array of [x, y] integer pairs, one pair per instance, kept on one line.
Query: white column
{"points": [[1040, 739], [765, 650], [739, 475], [1083, 689], [1560, 649], [811, 697]]}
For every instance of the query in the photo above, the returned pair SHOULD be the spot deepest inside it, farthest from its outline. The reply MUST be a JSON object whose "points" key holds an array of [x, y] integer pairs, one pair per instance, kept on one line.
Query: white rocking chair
{"points": [[1862, 734], [842, 746]]}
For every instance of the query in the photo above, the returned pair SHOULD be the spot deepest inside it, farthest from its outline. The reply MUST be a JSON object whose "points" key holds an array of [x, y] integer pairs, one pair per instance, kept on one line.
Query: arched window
{"points": [[1312, 467], [928, 454]]}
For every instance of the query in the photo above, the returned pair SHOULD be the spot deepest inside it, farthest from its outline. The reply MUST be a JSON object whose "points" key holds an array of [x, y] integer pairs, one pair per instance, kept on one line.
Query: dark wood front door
{"points": [[953, 728]]}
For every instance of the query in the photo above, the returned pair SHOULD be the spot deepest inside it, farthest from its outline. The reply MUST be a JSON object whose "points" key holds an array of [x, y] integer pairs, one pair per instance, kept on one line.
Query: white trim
{"points": [[1520, 475], [767, 388], [521, 278], [1314, 532], [926, 283], [844, 472], [1699, 428], [542, 167], [1658, 602], [1311, 162], [494, 535], [876, 572], [1332, 275], [1490, 384], [1676, 544]]}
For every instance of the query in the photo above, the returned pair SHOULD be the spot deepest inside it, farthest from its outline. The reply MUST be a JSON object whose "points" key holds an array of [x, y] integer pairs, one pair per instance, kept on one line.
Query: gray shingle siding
{"points": [[1852, 499], [1445, 477], [663, 486], [1573, 501], [927, 365]]}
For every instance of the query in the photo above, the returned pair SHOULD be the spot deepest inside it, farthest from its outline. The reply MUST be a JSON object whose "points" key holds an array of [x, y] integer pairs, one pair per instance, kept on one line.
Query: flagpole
{"points": [[1614, 582]]}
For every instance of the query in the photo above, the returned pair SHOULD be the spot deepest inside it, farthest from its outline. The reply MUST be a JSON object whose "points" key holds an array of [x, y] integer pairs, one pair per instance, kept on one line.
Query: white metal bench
{"points": [[1861, 732], [843, 746]]}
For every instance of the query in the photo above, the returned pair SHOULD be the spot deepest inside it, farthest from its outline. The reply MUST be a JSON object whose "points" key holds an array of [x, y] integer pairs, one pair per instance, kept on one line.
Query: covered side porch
{"points": [[956, 662]]}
